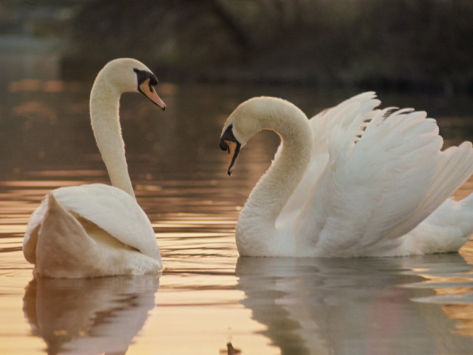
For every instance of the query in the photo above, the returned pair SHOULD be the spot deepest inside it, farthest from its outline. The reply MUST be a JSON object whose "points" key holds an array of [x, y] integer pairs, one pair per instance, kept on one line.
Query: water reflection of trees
{"points": [[362, 306], [89, 316], [368, 42]]}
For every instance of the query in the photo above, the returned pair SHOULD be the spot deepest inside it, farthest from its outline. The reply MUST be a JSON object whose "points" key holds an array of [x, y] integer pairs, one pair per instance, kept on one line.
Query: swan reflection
{"points": [[356, 306], [89, 316]]}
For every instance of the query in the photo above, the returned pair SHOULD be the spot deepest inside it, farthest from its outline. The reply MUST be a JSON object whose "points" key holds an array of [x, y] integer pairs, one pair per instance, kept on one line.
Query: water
{"points": [[207, 296]]}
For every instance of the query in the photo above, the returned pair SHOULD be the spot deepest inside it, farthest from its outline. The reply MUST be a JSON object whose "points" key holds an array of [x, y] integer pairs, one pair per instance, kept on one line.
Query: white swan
{"points": [[330, 193], [98, 230]]}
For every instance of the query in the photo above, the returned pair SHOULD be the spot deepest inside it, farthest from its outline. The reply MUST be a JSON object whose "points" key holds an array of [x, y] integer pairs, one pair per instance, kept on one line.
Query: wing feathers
{"points": [[385, 173]]}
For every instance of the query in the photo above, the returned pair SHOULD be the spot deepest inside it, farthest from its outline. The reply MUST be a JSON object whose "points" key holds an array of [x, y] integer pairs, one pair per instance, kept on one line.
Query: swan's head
{"points": [[130, 75], [249, 118]]}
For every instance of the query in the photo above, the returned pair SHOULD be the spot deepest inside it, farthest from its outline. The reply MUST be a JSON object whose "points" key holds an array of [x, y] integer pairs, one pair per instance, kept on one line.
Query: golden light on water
{"points": [[188, 331]]}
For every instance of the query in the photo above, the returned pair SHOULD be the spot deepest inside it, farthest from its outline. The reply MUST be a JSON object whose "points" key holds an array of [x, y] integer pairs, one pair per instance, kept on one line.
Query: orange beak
{"points": [[149, 91], [231, 152], [229, 143]]}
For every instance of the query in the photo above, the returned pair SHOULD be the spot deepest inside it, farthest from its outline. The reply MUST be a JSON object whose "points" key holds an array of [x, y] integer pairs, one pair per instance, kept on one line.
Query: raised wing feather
{"points": [[376, 190], [114, 211], [350, 115]]}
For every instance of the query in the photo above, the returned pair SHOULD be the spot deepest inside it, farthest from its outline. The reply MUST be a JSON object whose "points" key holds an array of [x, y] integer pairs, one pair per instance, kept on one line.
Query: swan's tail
{"points": [[450, 225], [466, 224], [445, 230], [32, 229]]}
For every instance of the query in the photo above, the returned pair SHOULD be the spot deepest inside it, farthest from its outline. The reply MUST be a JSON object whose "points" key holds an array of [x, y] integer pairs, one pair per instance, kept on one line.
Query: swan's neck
{"points": [[276, 186], [104, 107]]}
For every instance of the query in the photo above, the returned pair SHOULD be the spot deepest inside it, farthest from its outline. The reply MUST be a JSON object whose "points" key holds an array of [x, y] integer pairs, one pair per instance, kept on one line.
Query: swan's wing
{"points": [[352, 116], [375, 189], [114, 211]]}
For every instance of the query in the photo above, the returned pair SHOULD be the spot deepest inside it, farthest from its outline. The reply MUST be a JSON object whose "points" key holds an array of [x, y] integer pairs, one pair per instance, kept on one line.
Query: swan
{"points": [[353, 181], [98, 230]]}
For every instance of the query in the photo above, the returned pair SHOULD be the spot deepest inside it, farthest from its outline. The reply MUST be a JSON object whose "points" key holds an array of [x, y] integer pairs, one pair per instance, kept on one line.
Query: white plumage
{"points": [[352, 181], [98, 230]]}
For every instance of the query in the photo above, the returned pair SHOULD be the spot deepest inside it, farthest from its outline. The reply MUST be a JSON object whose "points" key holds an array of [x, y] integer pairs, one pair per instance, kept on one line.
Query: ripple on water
{"points": [[206, 295]]}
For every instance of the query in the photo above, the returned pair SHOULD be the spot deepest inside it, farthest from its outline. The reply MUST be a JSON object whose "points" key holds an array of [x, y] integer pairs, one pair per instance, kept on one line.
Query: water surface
{"points": [[207, 296]]}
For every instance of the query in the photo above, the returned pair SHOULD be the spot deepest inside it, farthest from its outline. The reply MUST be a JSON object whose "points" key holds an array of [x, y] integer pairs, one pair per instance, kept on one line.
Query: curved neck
{"points": [[276, 186], [104, 107]]}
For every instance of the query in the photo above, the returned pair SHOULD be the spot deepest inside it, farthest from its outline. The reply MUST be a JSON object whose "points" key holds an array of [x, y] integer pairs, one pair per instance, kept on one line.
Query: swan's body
{"points": [[330, 193], [98, 230]]}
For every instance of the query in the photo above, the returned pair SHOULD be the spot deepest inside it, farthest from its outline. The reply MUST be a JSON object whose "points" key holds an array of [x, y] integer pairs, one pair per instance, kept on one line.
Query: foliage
{"points": [[397, 43]]}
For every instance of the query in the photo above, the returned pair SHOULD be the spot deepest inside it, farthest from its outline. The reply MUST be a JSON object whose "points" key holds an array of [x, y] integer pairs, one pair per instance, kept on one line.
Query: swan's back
{"points": [[90, 230]]}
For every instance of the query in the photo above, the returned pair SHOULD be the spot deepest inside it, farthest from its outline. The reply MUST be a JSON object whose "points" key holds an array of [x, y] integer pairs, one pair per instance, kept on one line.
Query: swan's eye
{"points": [[224, 146], [227, 139], [153, 80], [143, 76]]}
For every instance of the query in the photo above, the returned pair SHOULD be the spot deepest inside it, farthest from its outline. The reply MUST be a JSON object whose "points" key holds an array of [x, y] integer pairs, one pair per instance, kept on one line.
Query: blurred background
{"points": [[210, 55], [401, 45]]}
